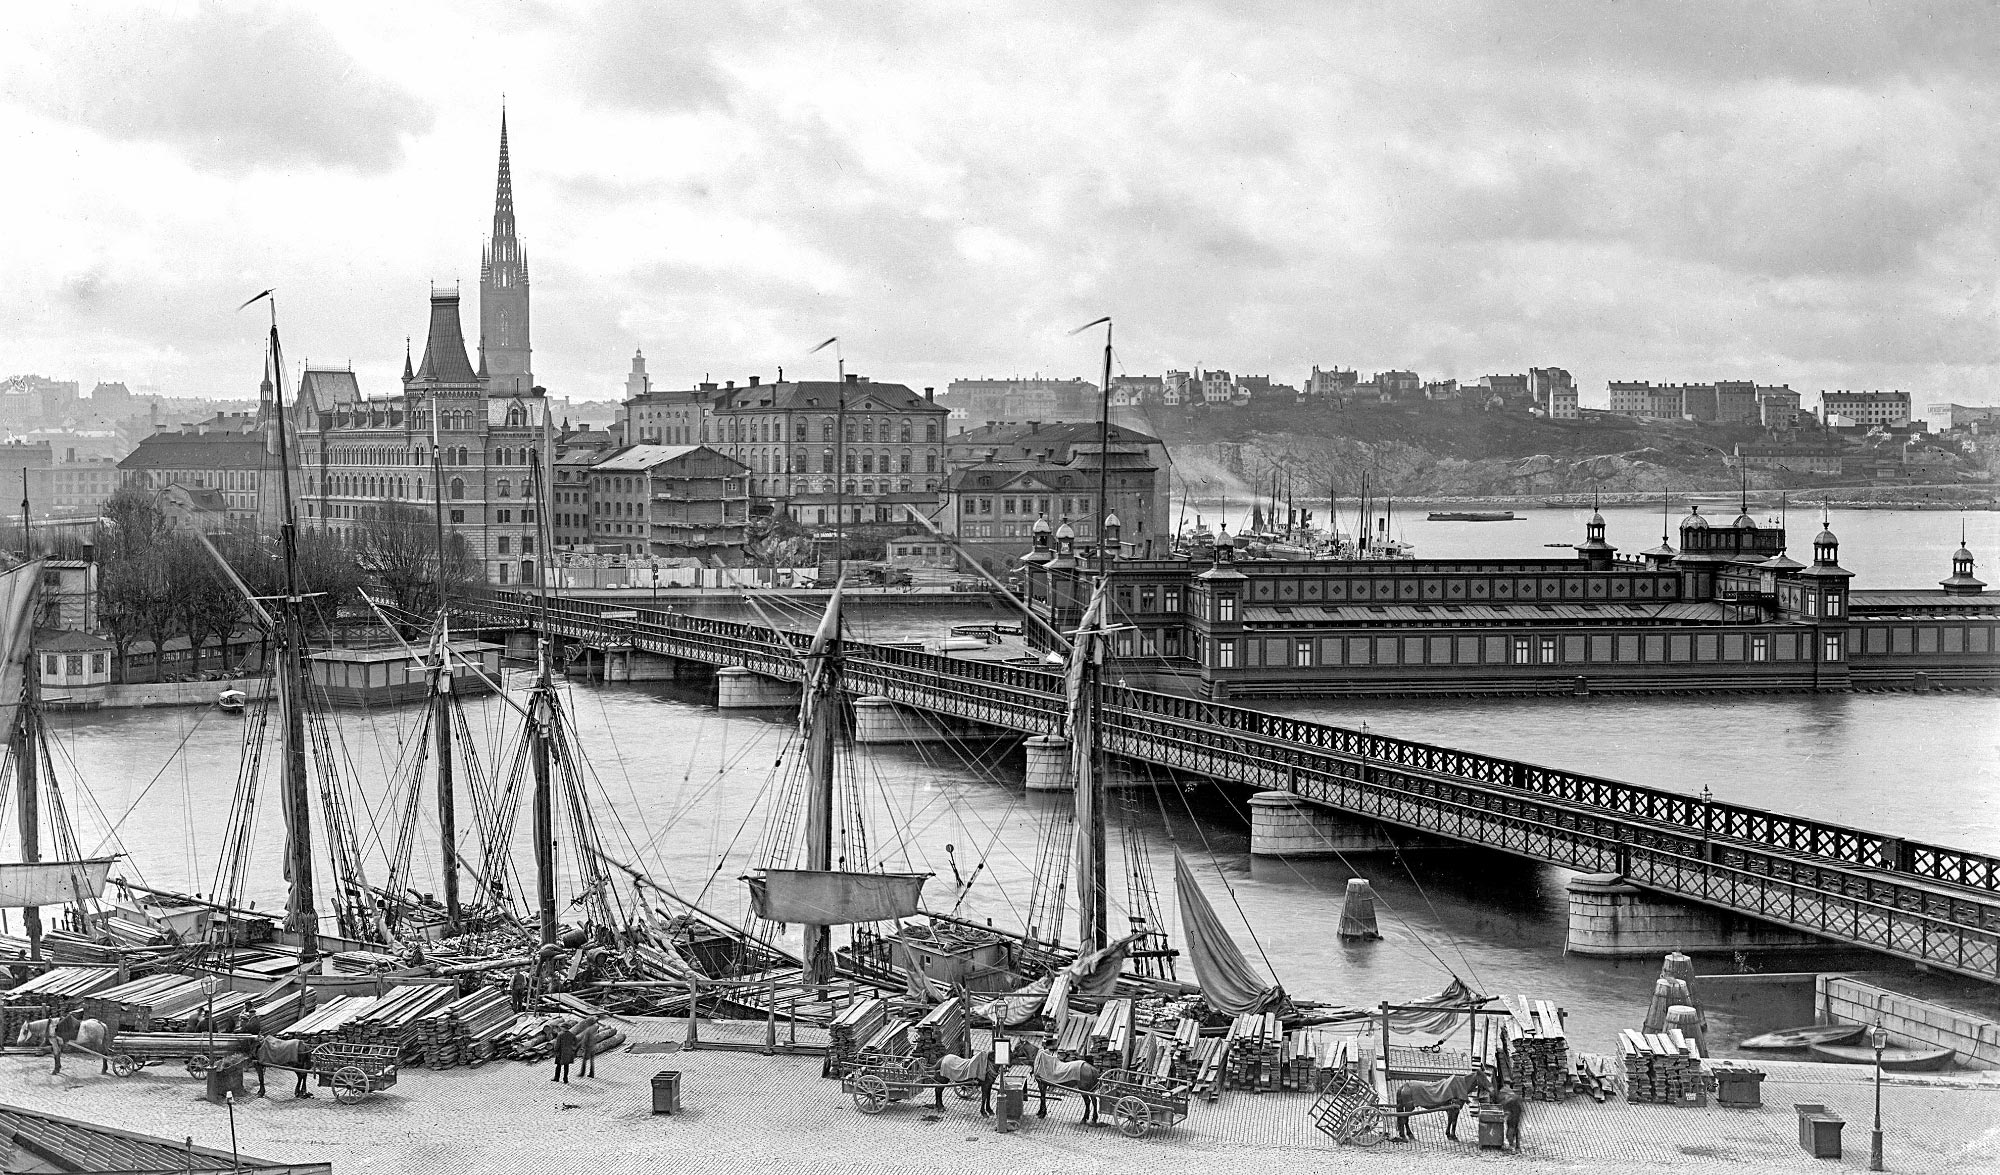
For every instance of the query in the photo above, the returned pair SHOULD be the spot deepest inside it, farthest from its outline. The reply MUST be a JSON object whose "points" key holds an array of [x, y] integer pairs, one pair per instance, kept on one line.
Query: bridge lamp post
{"points": [[1879, 1040], [1707, 800]]}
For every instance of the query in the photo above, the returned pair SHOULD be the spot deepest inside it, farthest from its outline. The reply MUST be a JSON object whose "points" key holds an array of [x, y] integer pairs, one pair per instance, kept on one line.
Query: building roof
{"points": [[825, 396], [68, 640], [195, 450], [444, 348], [1063, 433], [1361, 613], [1870, 600], [67, 1144], [321, 388], [641, 458]]}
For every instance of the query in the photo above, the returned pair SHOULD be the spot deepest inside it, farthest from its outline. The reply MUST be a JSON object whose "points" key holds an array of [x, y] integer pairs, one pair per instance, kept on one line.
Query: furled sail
{"points": [[19, 587], [1092, 976], [825, 897], [1228, 982], [51, 883]]}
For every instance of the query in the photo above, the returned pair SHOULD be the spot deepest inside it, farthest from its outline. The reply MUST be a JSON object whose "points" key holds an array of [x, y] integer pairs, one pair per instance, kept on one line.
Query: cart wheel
{"points": [[871, 1094], [1368, 1130], [1134, 1118], [124, 1065], [966, 1090], [199, 1065], [350, 1084]]}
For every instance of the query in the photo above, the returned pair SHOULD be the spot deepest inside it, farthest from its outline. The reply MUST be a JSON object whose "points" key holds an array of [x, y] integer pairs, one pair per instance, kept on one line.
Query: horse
{"points": [[67, 1032], [1048, 1069], [1449, 1094], [284, 1053], [977, 1069]]}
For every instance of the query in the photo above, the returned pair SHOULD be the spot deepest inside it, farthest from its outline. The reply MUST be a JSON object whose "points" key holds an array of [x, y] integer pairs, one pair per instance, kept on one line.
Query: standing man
{"points": [[586, 1036], [565, 1053], [517, 990], [63, 1034]]}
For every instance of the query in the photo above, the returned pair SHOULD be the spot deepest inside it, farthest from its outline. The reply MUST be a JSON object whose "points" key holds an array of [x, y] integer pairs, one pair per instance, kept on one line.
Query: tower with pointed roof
{"points": [[503, 293]]}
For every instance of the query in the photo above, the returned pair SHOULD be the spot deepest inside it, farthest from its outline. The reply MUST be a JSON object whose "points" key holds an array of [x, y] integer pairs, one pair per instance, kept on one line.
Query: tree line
{"points": [[159, 579]]}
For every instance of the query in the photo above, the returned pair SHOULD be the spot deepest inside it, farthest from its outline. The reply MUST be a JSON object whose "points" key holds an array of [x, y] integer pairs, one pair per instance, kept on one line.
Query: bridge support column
{"points": [[737, 688], [879, 720], [1283, 825], [636, 665], [520, 645], [1611, 918], [1048, 763]]}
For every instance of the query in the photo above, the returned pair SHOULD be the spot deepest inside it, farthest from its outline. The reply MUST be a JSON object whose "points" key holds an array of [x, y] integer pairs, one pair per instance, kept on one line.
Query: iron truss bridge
{"points": [[1927, 903]]}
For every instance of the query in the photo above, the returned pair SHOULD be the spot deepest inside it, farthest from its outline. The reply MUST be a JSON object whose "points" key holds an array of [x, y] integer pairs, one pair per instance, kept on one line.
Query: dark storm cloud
{"points": [[234, 87]]}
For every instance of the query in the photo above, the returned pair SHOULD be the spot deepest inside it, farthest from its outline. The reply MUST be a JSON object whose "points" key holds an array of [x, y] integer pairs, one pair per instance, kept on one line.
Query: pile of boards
{"points": [[1662, 1068], [275, 1011], [1256, 1049], [464, 1031], [1310, 1058], [1538, 1049], [852, 1028], [137, 1005], [944, 1029], [1109, 1042]]}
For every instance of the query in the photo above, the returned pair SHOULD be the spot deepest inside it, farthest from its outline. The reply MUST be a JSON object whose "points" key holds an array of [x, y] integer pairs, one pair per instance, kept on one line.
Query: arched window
{"points": [[514, 417], [826, 460], [503, 489], [826, 429], [462, 456], [930, 462], [457, 488], [906, 432], [930, 432], [903, 463]]}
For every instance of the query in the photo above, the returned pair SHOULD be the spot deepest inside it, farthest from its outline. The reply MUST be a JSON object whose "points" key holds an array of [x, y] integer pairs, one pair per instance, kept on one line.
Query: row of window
{"points": [[1303, 652], [1471, 589], [1031, 507], [863, 431], [70, 664]]}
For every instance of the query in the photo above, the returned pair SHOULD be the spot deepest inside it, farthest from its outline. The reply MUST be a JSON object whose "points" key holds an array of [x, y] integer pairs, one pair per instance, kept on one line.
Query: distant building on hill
{"points": [[1866, 408]]}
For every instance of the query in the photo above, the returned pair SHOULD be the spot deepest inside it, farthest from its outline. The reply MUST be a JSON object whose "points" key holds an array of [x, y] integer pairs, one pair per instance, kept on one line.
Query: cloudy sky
{"points": [[1800, 193]]}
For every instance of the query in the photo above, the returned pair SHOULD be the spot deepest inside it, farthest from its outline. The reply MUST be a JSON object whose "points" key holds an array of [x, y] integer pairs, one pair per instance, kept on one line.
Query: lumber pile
{"points": [[62, 984], [1310, 1058], [855, 1024], [944, 1029], [1073, 1038], [396, 1017], [324, 1024], [136, 1005], [462, 1031], [895, 1038], [1538, 1052], [1256, 1046], [1210, 1056], [1661, 1068], [1111, 1036], [1182, 1049]]}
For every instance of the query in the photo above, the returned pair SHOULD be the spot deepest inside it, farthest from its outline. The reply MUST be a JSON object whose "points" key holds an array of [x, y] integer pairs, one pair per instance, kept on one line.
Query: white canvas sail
{"points": [[1091, 976], [1228, 982], [19, 589], [51, 883], [826, 897]]}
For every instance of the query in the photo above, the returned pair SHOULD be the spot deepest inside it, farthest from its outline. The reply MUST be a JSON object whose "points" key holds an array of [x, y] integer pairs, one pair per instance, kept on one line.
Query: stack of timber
{"points": [[895, 1037], [851, 1028], [945, 1029], [134, 1006], [1073, 1038], [1183, 1048], [1211, 1055], [1661, 1068], [1538, 1054], [396, 1018], [49, 993], [462, 1031], [528, 1037], [326, 1023], [1111, 1036], [1310, 1059], [1256, 1047]]}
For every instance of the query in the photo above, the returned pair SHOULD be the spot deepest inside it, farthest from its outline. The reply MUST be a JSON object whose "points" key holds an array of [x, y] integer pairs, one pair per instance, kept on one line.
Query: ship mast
{"points": [[1092, 891], [541, 728], [300, 915], [441, 699], [822, 712], [28, 755]]}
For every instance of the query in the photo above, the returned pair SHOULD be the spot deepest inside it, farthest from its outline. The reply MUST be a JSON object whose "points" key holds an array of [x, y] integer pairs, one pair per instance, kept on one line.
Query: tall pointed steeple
{"points": [[503, 290]]}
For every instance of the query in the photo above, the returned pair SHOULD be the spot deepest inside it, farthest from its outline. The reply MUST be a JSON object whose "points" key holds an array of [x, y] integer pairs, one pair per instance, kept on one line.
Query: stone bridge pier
{"points": [[1613, 919], [879, 720], [737, 688], [1284, 825]]}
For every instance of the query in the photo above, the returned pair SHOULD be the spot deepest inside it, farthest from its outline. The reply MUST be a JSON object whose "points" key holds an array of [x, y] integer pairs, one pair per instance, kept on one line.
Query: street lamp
{"points": [[1880, 1040]]}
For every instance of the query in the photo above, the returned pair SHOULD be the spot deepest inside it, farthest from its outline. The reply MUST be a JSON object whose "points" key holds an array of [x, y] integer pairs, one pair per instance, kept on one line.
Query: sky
{"points": [[1798, 193]]}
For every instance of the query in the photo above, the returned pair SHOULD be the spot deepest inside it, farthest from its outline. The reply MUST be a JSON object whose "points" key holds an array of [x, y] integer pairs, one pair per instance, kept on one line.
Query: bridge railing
{"points": [[1031, 699]]}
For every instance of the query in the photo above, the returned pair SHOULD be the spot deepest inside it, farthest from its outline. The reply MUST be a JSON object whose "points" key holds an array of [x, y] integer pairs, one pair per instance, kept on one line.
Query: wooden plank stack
{"points": [[1182, 1049], [447, 1034], [397, 1016], [1256, 1050], [136, 1005], [1310, 1059], [944, 1029], [324, 1024], [1111, 1036], [853, 1026], [1073, 1038], [1661, 1068], [66, 984], [1211, 1055], [1538, 1054]]}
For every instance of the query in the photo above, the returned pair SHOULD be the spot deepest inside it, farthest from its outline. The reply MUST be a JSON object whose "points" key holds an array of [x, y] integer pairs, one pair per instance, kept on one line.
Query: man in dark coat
{"points": [[1511, 1103], [517, 990], [566, 1043]]}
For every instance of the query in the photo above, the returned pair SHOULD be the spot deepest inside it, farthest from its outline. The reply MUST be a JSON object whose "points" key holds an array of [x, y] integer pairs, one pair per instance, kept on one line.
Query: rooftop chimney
{"points": [[853, 378], [755, 379], [1034, 426], [730, 386], [930, 393]]}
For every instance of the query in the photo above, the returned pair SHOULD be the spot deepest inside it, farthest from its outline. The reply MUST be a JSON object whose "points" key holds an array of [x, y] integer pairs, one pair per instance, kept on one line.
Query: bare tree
{"points": [[397, 547]]}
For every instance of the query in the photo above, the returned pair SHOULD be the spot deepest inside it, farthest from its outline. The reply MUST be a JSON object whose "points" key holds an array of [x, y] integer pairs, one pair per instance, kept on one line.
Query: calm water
{"points": [[686, 788]]}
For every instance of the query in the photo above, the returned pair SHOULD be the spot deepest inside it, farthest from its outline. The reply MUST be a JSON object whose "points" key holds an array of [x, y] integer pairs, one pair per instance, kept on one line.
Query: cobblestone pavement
{"points": [[747, 1114]]}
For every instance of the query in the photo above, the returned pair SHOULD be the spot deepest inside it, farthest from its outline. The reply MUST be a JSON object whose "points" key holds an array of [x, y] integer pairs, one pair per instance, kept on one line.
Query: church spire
{"points": [[503, 289], [503, 193]]}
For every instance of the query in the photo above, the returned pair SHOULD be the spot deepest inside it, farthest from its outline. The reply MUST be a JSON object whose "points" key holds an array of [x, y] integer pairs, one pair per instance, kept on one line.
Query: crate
{"points": [[667, 1091]]}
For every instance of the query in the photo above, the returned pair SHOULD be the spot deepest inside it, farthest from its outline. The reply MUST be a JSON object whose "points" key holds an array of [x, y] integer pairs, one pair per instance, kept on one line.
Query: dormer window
{"points": [[1225, 609]]}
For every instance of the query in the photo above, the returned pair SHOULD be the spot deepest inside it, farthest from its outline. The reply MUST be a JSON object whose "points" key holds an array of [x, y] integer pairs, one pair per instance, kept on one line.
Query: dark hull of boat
{"points": [[1474, 516], [1894, 1060], [1803, 1038]]}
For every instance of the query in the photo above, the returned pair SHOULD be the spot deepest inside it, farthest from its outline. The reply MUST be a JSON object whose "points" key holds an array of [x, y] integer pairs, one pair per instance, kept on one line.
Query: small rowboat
{"points": [[1803, 1038], [231, 700], [1895, 1059]]}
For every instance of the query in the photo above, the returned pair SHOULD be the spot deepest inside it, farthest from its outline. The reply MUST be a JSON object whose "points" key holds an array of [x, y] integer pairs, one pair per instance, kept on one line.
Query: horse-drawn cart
{"points": [[875, 1080], [355, 1070], [1348, 1112], [1141, 1101], [199, 1052]]}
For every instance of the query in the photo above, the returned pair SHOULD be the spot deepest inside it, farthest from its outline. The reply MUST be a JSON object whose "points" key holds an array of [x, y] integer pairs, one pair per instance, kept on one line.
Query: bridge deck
{"points": [[1928, 903]]}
